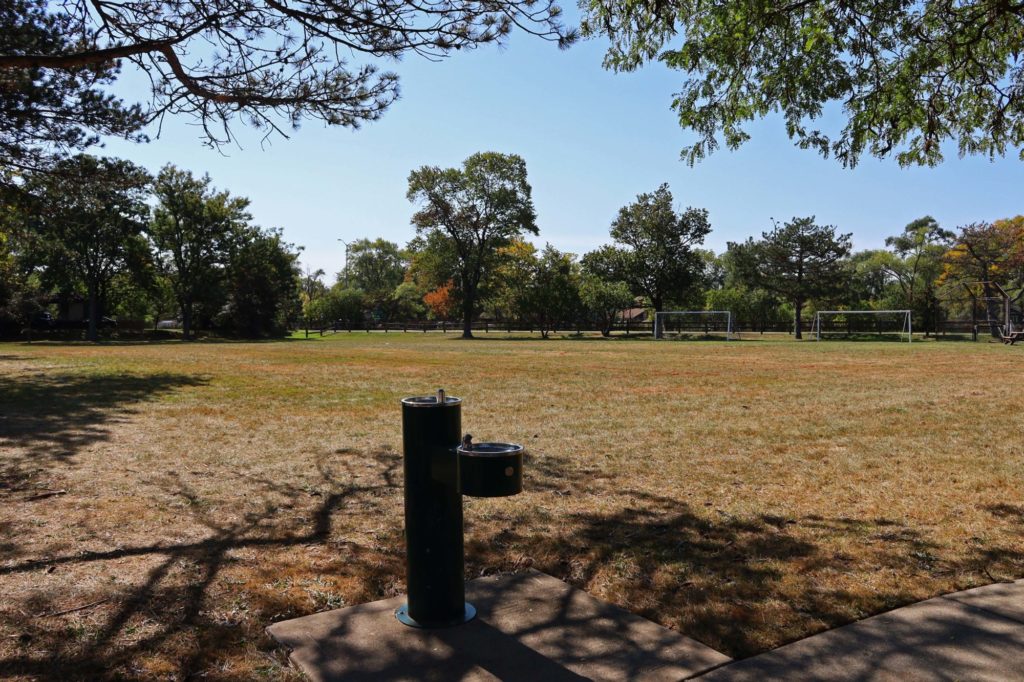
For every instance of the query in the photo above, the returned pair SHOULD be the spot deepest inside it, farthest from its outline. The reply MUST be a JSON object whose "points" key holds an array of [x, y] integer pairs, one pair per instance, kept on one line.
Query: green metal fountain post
{"points": [[440, 466], [431, 434]]}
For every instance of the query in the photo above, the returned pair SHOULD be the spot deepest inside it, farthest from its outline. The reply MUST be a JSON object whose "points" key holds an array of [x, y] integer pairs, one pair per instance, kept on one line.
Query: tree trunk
{"points": [[798, 304], [93, 333], [656, 302], [467, 316], [992, 310]]}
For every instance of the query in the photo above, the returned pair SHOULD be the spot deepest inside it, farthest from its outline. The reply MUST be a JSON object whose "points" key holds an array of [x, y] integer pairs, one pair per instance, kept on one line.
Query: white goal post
{"points": [[900, 316], [700, 321]]}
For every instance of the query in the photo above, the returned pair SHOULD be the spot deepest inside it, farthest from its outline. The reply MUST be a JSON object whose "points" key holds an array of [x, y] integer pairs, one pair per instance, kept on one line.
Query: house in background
{"points": [[633, 315]]}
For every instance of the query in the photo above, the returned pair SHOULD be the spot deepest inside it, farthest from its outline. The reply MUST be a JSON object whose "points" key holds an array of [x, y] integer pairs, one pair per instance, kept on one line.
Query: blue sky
{"points": [[592, 141]]}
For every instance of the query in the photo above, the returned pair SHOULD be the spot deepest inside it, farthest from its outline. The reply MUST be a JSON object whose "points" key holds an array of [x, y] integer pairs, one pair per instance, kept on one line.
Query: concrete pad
{"points": [[938, 639], [1006, 599], [529, 626]]}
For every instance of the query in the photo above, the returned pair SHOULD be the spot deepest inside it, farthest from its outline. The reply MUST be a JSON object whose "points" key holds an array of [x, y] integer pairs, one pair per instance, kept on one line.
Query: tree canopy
{"points": [[603, 300], [194, 229], [985, 256], [85, 221], [376, 267], [907, 75], [919, 252], [660, 260], [798, 261], [988, 252], [476, 209], [44, 111], [270, 63], [261, 285], [538, 289]]}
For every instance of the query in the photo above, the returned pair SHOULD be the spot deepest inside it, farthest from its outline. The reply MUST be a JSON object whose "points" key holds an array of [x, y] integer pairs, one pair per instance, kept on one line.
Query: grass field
{"points": [[745, 493]]}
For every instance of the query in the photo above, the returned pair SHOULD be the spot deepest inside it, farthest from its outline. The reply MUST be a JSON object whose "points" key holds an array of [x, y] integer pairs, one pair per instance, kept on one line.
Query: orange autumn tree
{"points": [[442, 301]]}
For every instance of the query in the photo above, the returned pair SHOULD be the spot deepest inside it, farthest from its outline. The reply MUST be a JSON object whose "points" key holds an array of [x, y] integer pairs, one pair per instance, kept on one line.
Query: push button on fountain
{"points": [[490, 469]]}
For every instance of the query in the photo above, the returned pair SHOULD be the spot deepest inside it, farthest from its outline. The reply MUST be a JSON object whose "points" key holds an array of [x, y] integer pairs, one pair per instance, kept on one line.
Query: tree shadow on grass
{"points": [[738, 583], [46, 419], [504, 336], [933, 637], [861, 338], [181, 604], [596, 338], [665, 561], [203, 341], [955, 338], [1001, 562], [713, 576]]}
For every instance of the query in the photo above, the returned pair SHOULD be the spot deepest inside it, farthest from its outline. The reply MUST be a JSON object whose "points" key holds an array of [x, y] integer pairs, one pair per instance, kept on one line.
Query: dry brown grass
{"points": [[746, 494]]}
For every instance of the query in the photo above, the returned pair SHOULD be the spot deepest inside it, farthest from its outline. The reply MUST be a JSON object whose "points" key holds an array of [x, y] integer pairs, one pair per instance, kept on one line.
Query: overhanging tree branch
{"points": [[269, 62]]}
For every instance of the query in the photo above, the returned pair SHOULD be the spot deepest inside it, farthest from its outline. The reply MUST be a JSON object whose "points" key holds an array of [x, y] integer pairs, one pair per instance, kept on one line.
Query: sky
{"points": [[592, 140]]}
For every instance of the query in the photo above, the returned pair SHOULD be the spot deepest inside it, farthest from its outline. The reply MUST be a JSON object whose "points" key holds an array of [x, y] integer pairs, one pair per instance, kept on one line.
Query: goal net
{"points": [[862, 323], [677, 324]]}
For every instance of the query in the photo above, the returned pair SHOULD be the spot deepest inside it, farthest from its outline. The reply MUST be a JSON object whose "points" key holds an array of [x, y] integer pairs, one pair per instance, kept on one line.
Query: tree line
{"points": [[471, 257], [912, 79], [133, 246], [141, 247]]}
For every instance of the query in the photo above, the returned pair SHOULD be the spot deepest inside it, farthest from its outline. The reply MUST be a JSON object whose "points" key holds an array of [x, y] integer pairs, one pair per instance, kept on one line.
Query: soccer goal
{"points": [[832, 323], [670, 324]]}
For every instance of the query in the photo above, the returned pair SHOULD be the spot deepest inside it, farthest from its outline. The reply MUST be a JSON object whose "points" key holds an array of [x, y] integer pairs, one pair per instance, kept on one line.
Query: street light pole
{"points": [[344, 268]]}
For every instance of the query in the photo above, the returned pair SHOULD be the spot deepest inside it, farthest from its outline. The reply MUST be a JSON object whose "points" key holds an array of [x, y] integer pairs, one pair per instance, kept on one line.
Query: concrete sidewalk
{"points": [[530, 626], [536, 628], [972, 635]]}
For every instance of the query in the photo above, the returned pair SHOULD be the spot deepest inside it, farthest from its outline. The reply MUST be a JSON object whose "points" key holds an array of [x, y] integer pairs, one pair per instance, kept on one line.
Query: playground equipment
{"points": [[1010, 332], [441, 465]]}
